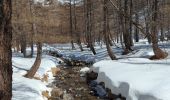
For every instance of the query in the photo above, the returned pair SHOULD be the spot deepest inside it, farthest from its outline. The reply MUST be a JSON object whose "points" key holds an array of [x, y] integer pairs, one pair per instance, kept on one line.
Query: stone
{"points": [[55, 71], [56, 92], [67, 96], [45, 94], [90, 76], [45, 78], [99, 91], [83, 71]]}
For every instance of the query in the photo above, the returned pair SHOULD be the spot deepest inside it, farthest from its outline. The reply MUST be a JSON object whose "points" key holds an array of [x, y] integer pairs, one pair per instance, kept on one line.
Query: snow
{"points": [[133, 75], [26, 64], [136, 78], [27, 89], [30, 89], [84, 70]]}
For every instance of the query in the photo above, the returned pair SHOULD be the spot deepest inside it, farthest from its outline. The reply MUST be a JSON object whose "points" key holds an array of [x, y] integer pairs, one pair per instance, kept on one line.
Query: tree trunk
{"points": [[32, 49], [159, 54], [110, 35], [78, 35], [5, 50], [136, 29], [147, 28], [121, 27], [105, 32], [23, 44], [72, 45], [89, 26], [79, 43], [130, 22], [18, 45], [33, 27], [37, 62], [126, 35], [71, 26]]}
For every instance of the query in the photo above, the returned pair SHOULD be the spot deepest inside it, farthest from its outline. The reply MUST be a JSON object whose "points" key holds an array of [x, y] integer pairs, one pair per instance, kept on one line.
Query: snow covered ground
{"points": [[135, 76], [31, 89]]}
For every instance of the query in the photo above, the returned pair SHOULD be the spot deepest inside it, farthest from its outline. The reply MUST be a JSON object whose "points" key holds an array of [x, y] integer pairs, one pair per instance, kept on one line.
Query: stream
{"points": [[73, 86]]}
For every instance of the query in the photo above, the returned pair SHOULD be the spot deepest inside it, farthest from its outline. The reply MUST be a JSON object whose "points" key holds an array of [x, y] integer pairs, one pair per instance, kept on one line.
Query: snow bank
{"points": [[26, 63], [136, 78], [27, 89], [30, 89]]}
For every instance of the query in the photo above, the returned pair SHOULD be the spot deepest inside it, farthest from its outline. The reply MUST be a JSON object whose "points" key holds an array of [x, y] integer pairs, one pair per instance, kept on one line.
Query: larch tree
{"points": [[89, 26], [5, 50], [159, 54], [105, 30], [71, 25], [36, 65]]}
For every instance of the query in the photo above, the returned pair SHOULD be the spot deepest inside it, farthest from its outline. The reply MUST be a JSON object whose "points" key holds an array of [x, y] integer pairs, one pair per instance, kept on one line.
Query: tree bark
{"points": [[130, 22], [136, 29], [32, 48], [23, 44], [78, 35], [79, 43], [33, 27], [89, 26], [71, 26], [5, 50], [159, 54], [126, 35], [105, 32], [37, 62]]}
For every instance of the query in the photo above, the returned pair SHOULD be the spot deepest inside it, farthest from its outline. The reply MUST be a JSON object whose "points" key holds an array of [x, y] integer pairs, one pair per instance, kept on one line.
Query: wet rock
{"points": [[99, 91], [78, 59], [55, 71], [55, 53], [81, 89], [91, 76], [93, 83], [62, 78], [56, 92], [67, 96], [73, 84], [102, 84], [111, 96], [45, 94]]}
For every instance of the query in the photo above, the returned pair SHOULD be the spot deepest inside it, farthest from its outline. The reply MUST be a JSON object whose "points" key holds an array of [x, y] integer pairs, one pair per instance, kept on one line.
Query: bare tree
{"points": [[89, 25], [37, 62], [71, 25], [5, 50], [159, 54], [105, 31], [78, 34]]}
